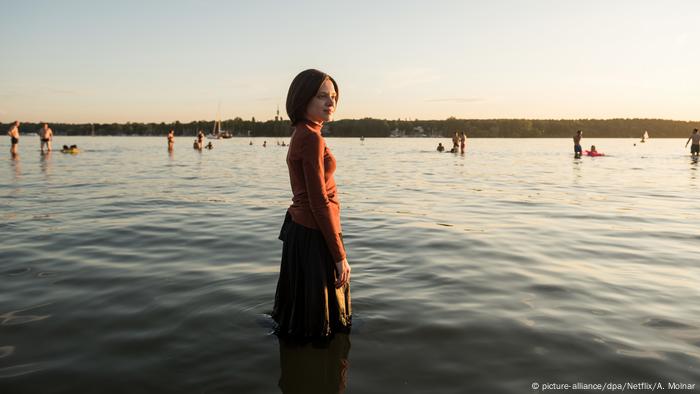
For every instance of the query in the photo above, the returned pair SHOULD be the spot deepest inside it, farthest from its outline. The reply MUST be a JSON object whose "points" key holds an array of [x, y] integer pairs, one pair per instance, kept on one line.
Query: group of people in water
{"points": [[694, 147], [45, 138], [264, 144], [459, 143], [198, 143], [578, 151]]}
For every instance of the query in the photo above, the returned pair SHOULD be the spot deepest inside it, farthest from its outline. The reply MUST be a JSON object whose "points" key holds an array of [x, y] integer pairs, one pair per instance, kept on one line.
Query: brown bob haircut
{"points": [[303, 88]]}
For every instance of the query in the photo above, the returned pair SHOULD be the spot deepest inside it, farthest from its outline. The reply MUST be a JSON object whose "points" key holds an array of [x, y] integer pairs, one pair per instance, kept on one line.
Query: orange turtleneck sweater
{"points": [[315, 202]]}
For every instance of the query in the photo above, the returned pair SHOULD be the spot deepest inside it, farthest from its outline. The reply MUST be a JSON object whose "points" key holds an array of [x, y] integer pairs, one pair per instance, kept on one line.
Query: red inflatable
{"points": [[594, 154]]}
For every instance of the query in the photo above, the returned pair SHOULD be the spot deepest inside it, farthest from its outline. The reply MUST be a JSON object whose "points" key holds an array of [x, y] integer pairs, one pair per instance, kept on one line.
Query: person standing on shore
{"points": [[577, 144], [695, 146], [46, 136], [312, 300], [171, 140], [14, 137]]}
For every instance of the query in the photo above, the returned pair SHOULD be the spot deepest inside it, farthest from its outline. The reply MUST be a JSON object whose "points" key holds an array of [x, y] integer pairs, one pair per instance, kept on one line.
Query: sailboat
{"points": [[217, 133], [645, 136]]}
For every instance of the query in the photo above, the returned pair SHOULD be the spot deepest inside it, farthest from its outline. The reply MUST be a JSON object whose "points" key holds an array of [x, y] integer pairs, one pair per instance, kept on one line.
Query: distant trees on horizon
{"points": [[370, 127]]}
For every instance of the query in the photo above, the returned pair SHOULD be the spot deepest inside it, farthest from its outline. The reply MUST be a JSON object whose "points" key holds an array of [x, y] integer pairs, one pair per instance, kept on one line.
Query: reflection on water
{"points": [[45, 160], [577, 172], [16, 167], [315, 368], [16, 317], [693, 171]]}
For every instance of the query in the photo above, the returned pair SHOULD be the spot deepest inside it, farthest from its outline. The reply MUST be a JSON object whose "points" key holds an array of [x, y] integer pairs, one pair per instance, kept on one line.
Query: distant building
{"points": [[419, 132], [397, 133]]}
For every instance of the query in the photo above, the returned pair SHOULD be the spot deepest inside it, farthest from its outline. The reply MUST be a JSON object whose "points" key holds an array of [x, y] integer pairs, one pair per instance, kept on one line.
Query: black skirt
{"points": [[307, 304]]}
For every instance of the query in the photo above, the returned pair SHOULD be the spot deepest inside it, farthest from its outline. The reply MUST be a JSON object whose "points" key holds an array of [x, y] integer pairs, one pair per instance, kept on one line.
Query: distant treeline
{"points": [[368, 127]]}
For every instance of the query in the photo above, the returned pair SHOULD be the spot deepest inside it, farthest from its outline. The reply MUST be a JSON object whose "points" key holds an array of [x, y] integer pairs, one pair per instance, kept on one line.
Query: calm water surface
{"points": [[129, 269]]}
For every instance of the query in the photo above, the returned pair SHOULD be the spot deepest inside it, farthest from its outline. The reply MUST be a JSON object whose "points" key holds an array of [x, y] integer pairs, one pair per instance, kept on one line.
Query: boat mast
{"points": [[217, 122]]}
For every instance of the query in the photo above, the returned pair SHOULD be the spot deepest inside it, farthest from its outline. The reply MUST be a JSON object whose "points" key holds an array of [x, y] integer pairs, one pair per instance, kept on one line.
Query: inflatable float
{"points": [[594, 153]]}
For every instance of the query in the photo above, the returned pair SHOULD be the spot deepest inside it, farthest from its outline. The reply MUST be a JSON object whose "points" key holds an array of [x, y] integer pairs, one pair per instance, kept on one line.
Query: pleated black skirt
{"points": [[307, 304]]}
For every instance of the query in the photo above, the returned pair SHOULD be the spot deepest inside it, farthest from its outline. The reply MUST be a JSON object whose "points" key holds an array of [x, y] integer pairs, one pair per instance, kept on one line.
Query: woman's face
{"points": [[322, 106]]}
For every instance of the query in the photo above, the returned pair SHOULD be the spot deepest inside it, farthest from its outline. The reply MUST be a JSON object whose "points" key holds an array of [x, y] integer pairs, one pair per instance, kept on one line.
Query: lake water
{"points": [[129, 269]]}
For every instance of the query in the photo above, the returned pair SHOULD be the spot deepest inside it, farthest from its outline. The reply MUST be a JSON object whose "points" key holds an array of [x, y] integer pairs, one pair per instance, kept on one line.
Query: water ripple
{"points": [[19, 370], [15, 318]]}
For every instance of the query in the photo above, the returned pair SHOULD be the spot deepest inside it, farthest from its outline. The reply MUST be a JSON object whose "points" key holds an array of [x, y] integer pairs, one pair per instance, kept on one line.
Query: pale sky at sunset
{"points": [[143, 61]]}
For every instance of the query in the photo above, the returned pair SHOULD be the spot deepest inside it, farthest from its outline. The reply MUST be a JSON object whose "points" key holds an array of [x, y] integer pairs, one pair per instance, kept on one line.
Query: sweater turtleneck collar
{"points": [[313, 126]]}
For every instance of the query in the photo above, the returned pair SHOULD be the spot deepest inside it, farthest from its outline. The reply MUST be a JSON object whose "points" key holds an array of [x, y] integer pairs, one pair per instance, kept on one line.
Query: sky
{"points": [[161, 61]]}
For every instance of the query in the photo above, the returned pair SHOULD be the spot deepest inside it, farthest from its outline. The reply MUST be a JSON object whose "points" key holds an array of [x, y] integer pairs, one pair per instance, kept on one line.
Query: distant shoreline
{"points": [[372, 128]]}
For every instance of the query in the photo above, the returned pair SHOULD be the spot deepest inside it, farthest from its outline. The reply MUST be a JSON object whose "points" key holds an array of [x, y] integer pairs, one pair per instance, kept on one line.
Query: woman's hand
{"points": [[342, 271]]}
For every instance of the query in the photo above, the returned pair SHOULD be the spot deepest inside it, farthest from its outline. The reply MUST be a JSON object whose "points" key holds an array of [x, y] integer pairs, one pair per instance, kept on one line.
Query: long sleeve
{"points": [[325, 213]]}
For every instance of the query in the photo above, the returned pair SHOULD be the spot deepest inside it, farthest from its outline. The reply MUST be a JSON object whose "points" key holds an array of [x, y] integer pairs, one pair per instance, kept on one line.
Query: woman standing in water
{"points": [[313, 291]]}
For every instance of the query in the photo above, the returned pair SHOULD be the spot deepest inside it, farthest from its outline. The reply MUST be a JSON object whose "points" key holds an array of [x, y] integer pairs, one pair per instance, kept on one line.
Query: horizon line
{"points": [[346, 119]]}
